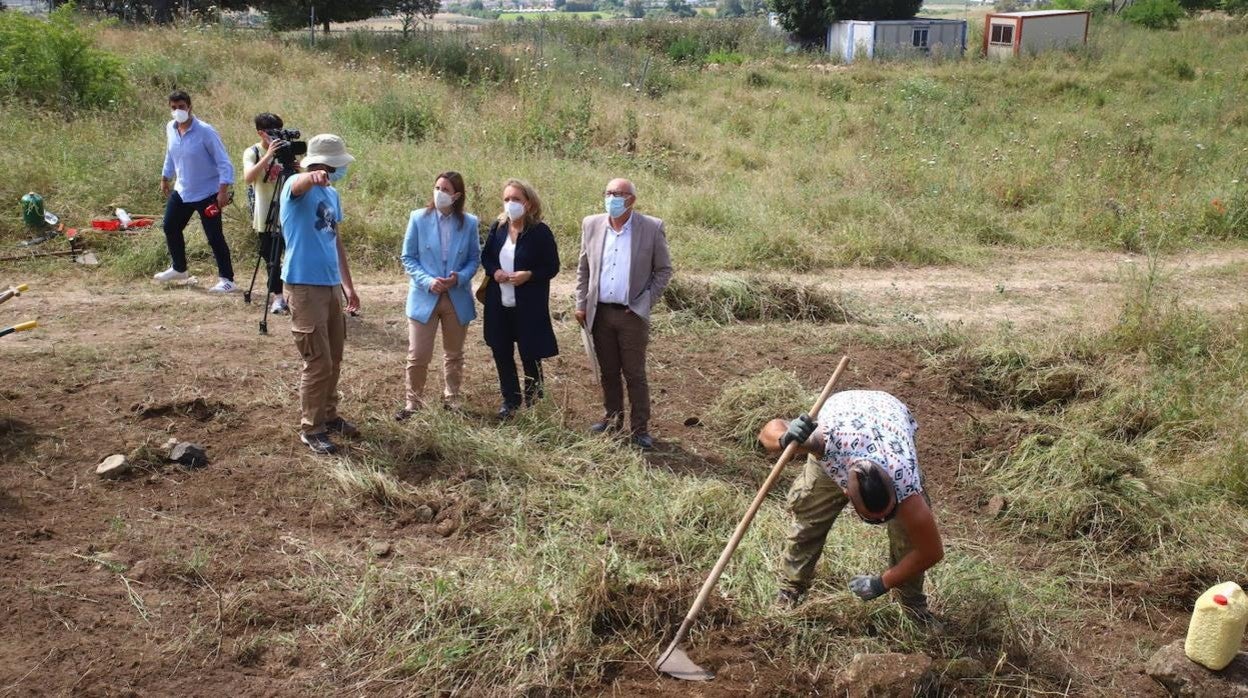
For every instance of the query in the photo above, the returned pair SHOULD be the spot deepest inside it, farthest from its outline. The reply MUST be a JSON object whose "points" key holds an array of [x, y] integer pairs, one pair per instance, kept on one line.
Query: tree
{"points": [[729, 8], [292, 14], [680, 8], [1154, 14], [162, 11], [636, 9], [808, 20], [412, 10]]}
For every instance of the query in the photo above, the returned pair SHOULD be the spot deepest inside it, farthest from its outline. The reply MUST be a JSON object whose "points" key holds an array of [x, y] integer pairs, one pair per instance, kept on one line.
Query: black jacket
{"points": [[536, 252]]}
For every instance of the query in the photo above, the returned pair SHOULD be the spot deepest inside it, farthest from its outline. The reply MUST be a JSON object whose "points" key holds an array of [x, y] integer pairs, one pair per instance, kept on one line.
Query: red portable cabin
{"points": [[1011, 33]]}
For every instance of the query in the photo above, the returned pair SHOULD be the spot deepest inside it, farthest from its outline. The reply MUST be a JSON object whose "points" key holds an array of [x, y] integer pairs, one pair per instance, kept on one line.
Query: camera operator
{"points": [[261, 171], [317, 277]]}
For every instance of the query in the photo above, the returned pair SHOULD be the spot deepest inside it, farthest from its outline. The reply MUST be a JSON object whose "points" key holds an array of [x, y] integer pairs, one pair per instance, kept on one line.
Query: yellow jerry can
{"points": [[1217, 626]]}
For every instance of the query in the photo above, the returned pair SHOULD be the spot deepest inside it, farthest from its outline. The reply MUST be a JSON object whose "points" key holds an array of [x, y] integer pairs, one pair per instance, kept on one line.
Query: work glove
{"points": [[799, 430], [867, 586]]}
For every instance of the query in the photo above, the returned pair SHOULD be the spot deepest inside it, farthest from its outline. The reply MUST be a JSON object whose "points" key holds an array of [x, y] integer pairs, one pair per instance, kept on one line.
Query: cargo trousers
{"points": [[320, 331], [816, 500]]}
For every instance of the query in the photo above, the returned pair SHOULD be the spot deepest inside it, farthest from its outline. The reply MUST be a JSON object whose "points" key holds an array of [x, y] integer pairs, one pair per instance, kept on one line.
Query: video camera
{"points": [[293, 149]]}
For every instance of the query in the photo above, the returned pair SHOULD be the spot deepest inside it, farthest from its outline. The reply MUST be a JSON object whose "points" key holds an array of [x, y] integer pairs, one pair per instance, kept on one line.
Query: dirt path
{"points": [[1035, 290]]}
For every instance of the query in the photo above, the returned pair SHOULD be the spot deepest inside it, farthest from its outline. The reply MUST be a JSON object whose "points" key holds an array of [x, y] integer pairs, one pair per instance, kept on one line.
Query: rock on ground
{"points": [[189, 454], [1186, 679], [113, 466], [892, 675]]}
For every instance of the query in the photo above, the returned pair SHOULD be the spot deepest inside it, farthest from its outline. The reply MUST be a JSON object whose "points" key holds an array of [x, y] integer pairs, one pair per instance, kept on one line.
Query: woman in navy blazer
{"points": [[440, 254], [520, 258]]}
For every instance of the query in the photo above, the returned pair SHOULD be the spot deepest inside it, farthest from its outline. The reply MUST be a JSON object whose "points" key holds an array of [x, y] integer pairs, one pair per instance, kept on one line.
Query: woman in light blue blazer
{"points": [[441, 253]]}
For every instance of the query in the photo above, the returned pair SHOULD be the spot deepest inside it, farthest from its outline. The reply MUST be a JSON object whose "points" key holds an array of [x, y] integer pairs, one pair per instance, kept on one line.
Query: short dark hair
{"points": [[873, 486], [267, 121], [180, 96]]}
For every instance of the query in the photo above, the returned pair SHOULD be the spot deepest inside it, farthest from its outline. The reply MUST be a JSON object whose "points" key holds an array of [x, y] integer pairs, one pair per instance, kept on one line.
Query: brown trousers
{"points": [[816, 500], [420, 338], [320, 330], [620, 339]]}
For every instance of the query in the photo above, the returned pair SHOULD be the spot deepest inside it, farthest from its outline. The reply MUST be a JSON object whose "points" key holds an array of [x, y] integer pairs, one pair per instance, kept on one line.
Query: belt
{"points": [[617, 306]]}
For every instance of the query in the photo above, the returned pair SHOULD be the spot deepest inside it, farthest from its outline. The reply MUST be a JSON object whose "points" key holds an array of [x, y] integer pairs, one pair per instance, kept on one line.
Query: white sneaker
{"points": [[279, 306], [170, 275], [223, 286]]}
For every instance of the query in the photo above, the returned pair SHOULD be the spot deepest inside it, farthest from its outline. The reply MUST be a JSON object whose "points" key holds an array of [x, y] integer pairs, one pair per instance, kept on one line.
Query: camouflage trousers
{"points": [[816, 500]]}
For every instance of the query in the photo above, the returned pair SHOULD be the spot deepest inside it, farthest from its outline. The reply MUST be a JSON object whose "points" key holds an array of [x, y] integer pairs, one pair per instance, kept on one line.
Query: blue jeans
{"points": [[177, 216]]}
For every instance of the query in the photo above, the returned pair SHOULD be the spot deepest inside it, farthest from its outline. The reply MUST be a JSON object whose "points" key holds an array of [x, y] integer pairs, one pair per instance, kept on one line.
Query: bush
{"points": [[53, 63], [165, 74], [390, 117], [452, 55], [1154, 14]]}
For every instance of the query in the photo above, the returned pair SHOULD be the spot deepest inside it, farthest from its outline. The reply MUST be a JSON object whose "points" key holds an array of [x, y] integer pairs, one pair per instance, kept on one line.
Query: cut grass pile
{"points": [[743, 408], [727, 298]]}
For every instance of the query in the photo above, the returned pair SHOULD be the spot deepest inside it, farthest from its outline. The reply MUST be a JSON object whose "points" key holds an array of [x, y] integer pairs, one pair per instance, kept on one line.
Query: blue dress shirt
{"points": [[198, 159]]}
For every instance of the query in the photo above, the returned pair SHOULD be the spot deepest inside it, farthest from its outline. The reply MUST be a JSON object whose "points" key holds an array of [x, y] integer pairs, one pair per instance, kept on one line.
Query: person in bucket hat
{"points": [[316, 278]]}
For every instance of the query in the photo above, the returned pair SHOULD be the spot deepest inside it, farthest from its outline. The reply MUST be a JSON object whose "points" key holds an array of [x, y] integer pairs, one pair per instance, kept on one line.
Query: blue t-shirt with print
{"points": [[310, 227]]}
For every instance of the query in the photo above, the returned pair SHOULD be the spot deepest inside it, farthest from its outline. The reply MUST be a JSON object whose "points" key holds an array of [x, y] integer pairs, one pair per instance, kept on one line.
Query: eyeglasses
{"points": [[617, 193]]}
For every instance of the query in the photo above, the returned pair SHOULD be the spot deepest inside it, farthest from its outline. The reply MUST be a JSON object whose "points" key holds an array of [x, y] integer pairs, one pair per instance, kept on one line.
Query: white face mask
{"points": [[180, 115], [442, 200], [514, 209]]}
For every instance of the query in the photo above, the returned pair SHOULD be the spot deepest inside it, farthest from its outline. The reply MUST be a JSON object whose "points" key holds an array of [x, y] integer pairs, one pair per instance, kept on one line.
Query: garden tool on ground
{"points": [[20, 327], [12, 292], [674, 662]]}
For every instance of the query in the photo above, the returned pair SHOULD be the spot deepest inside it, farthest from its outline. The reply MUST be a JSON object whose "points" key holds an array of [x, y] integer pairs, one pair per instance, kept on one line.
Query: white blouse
{"points": [[507, 261]]}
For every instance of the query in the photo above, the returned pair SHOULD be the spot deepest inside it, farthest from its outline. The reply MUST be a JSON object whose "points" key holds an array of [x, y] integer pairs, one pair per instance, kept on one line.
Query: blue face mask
{"points": [[615, 205], [338, 174]]}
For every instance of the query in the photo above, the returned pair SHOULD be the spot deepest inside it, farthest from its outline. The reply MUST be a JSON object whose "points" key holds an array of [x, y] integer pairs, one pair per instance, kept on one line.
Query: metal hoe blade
{"points": [[678, 665]]}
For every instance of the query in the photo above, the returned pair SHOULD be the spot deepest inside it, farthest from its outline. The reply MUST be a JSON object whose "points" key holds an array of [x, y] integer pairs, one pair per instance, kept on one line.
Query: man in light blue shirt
{"points": [[196, 159], [316, 277]]}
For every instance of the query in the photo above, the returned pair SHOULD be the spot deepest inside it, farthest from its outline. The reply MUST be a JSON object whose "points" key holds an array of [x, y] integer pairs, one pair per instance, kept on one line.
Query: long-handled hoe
{"points": [[674, 662]]}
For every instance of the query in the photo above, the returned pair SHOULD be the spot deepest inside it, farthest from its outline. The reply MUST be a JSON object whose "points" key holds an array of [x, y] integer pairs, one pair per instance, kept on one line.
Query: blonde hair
{"points": [[533, 212]]}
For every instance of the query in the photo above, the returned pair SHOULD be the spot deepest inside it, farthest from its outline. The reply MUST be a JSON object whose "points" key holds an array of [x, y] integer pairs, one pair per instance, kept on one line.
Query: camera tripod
{"points": [[269, 246]]}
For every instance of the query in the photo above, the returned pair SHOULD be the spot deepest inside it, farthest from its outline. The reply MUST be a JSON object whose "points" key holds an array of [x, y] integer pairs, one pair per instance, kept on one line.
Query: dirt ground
{"points": [[154, 585]]}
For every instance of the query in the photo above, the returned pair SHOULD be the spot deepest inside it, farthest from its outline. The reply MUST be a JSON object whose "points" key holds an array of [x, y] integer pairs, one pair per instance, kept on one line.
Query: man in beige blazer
{"points": [[623, 268]]}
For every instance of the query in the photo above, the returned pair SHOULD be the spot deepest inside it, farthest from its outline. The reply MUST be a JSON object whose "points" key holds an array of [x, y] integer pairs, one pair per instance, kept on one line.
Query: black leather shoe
{"points": [[643, 441], [606, 425], [507, 411]]}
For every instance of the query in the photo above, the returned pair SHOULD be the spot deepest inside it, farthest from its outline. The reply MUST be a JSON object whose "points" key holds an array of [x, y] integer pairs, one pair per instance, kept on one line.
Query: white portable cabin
{"points": [[1013, 33], [852, 39]]}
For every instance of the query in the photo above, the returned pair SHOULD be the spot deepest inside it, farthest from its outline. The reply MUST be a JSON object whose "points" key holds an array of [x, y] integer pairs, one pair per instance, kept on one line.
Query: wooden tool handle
{"points": [[739, 533]]}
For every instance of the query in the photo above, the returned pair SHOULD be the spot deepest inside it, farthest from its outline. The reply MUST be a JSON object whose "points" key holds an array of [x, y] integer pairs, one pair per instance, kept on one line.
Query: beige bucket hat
{"points": [[327, 149]]}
